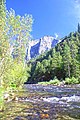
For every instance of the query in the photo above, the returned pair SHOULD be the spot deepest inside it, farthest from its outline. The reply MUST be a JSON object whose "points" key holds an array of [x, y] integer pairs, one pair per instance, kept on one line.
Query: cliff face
{"points": [[36, 47]]}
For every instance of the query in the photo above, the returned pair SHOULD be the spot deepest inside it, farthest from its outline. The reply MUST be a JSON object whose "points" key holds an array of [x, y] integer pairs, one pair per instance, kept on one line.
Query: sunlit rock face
{"points": [[36, 47]]}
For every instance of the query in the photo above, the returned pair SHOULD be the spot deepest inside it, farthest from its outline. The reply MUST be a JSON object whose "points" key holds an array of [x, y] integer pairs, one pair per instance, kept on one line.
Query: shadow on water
{"points": [[44, 103]]}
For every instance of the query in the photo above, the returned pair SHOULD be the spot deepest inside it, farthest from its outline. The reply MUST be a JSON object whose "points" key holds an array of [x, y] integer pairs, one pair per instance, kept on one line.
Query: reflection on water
{"points": [[44, 103]]}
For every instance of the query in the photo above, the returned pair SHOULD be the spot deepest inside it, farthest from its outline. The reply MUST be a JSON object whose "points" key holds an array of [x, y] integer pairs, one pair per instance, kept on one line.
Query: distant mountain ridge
{"points": [[36, 47]]}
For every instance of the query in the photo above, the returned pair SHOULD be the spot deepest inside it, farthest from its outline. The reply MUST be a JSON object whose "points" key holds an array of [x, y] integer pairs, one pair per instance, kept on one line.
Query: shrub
{"points": [[43, 83], [16, 76], [55, 82], [72, 80]]}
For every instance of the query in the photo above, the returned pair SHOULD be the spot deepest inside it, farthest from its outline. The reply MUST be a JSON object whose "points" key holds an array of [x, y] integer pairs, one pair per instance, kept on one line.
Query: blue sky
{"points": [[50, 16]]}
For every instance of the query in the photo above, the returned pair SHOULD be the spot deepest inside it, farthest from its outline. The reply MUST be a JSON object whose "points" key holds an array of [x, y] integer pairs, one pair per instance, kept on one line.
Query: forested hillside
{"points": [[62, 62]]}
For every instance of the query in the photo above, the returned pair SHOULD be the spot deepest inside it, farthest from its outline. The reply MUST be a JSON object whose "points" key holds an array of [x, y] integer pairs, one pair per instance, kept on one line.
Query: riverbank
{"points": [[67, 81]]}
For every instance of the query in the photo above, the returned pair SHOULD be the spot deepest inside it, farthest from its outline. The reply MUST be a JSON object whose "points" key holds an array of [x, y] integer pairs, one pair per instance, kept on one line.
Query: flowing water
{"points": [[39, 102]]}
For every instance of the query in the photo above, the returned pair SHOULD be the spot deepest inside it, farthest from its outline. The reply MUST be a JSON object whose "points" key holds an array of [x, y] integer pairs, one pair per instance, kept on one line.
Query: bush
{"points": [[72, 80], [55, 82], [43, 83], [16, 76]]}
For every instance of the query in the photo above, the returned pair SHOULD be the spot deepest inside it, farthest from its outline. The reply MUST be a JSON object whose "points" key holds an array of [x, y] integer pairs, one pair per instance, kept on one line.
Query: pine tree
{"points": [[67, 60], [78, 27]]}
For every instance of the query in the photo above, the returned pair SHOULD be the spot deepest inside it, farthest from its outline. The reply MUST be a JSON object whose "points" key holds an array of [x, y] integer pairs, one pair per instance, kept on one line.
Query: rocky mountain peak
{"points": [[36, 47]]}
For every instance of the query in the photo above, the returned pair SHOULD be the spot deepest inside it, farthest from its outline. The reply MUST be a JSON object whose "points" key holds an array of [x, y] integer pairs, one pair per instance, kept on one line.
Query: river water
{"points": [[39, 102]]}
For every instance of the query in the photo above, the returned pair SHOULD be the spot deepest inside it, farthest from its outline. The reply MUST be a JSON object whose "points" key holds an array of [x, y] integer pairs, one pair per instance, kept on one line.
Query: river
{"points": [[44, 102]]}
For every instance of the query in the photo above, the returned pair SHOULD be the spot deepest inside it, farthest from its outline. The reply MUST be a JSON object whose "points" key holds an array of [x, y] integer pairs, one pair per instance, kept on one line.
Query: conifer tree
{"points": [[78, 27]]}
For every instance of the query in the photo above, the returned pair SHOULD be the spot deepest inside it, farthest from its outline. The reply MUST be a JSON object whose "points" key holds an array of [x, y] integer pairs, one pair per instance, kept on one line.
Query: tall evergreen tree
{"points": [[78, 27], [67, 60]]}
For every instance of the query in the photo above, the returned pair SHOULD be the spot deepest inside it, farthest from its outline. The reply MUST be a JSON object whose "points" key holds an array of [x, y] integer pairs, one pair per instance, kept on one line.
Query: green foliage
{"points": [[55, 81], [19, 28], [71, 80], [43, 83], [15, 76], [67, 60], [14, 36], [1, 98]]}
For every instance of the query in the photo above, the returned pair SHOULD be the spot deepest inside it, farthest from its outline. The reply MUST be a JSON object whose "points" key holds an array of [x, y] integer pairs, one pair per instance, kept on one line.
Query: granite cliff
{"points": [[36, 47]]}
